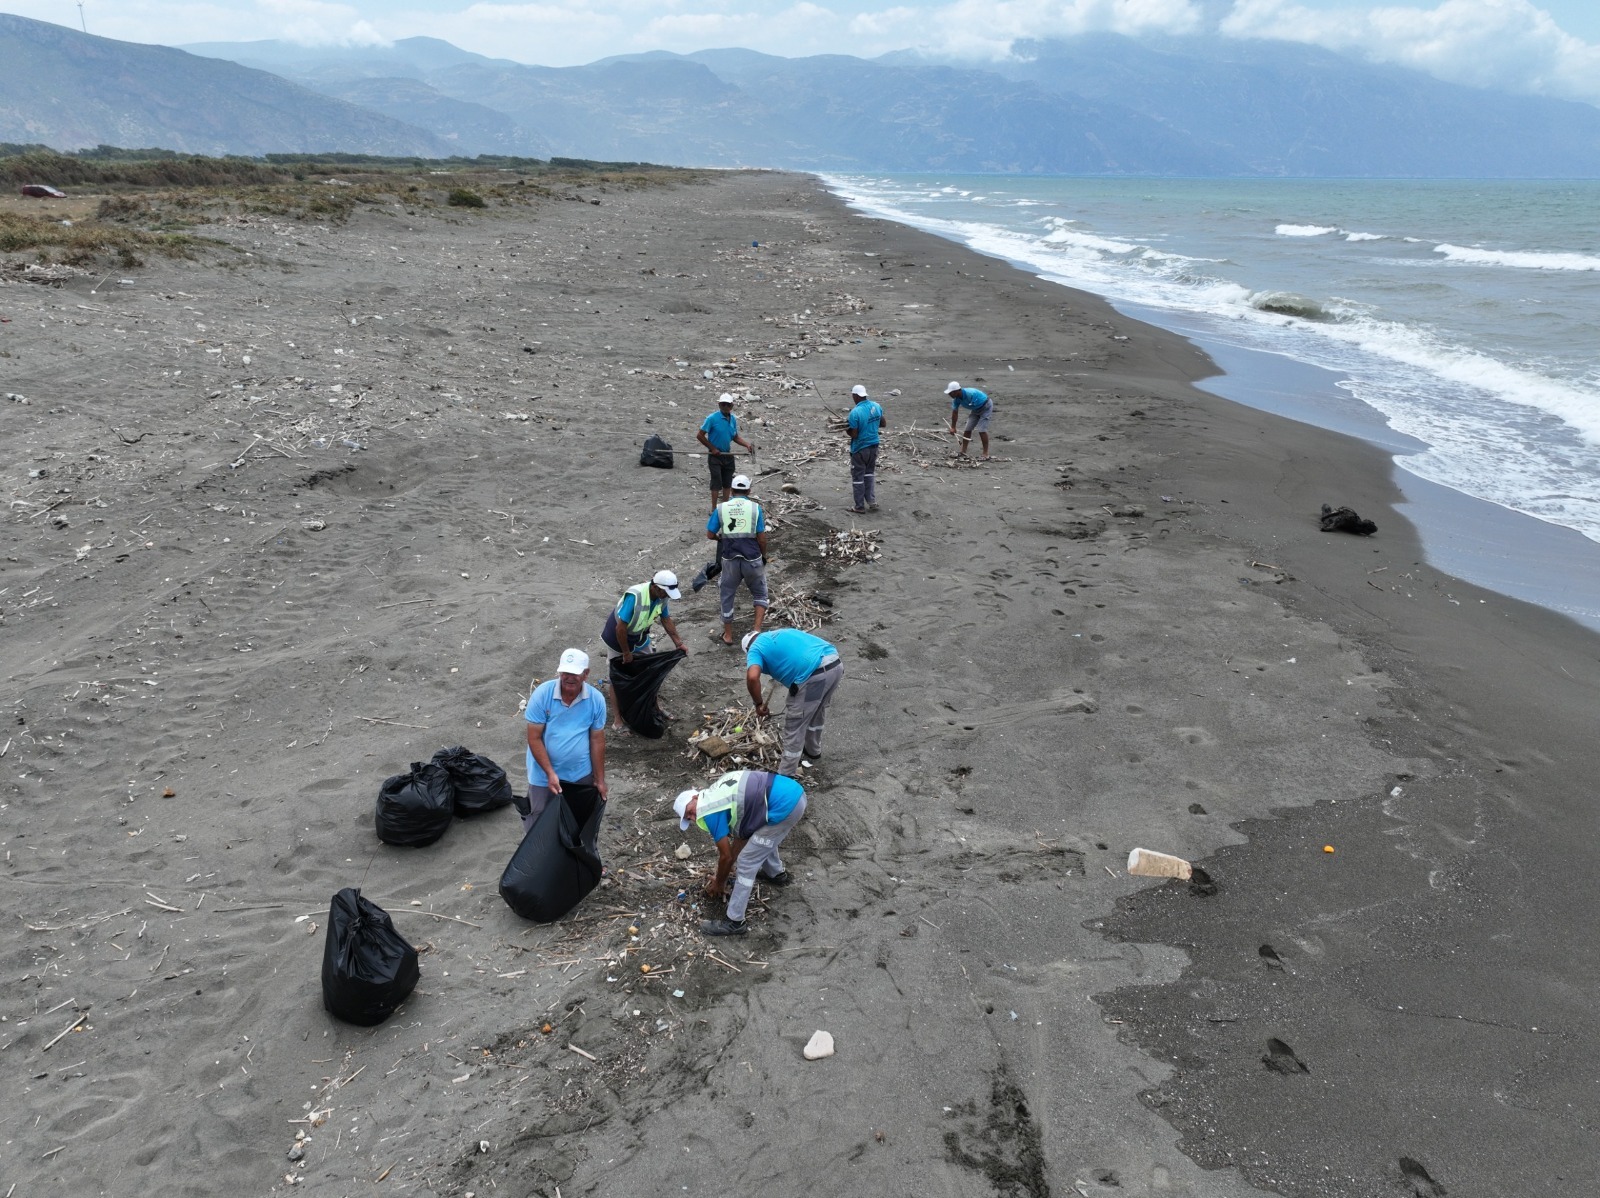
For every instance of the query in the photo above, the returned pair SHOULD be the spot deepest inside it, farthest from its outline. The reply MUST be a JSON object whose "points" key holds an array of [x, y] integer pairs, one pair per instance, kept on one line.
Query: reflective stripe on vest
{"points": [[645, 609], [737, 519], [725, 794]]}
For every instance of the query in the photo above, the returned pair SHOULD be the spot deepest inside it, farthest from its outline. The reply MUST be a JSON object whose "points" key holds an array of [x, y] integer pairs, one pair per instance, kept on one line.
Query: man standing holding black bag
{"points": [[566, 736]]}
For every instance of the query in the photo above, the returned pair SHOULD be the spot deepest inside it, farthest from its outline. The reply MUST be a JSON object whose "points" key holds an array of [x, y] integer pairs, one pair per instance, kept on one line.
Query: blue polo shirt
{"points": [[720, 430], [968, 397], [566, 730], [781, 801], [863, 423], [788, 655]]}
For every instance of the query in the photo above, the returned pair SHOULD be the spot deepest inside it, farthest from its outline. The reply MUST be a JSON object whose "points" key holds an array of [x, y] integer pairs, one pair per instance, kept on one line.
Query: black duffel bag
{"points": [[635, 685], [368, 968], [558, 862], [480, 784], [415, 809], [656, 453]]}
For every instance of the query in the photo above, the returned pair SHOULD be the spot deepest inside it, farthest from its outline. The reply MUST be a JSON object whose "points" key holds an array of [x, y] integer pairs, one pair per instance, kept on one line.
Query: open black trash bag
{"points": [[635, 684], [557, 864], [656, 453], [415, 809], [480, 784], [368, 968]]}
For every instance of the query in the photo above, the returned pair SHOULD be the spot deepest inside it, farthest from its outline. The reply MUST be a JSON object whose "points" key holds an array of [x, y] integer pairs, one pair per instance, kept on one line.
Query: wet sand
{"points": [[288, 571]]}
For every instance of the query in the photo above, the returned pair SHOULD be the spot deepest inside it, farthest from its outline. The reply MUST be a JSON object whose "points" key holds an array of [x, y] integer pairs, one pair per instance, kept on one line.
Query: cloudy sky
{"points": [[1547, 47]]}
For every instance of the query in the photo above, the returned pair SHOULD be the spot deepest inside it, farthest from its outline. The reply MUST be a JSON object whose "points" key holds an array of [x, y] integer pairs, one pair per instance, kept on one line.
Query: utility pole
{"points": [[81, 21]]}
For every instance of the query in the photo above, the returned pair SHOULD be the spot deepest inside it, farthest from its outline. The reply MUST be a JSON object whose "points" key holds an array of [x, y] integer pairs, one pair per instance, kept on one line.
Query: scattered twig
{"points": [[588, 1056], [71, 1027], [373, 719], [434, 915]]}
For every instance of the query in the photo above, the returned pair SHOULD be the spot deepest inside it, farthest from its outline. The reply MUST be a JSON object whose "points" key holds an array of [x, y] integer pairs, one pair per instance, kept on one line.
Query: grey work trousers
{"points": [[759, 858], [864, 476], [804, 717], [734, 571]]}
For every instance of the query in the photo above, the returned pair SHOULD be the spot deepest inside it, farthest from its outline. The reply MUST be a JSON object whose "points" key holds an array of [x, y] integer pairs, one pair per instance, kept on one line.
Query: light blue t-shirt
{"points": [[566, 730], [863, 423], [968, 397], [781, 801], [788, 655], [720, 430]]}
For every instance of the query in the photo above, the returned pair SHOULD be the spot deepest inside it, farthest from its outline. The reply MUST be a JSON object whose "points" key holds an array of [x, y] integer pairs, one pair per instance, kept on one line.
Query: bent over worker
{"points": [[811, 669], [980, 410], [739, 527], [627, 629], [566, 735], [748, 813]]}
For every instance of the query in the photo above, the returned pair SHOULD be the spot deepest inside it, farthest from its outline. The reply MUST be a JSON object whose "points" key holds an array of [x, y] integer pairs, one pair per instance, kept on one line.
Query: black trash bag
{"points": [[1345, 520], [656, 453], [480, 784], [557, 864], [635, 685], [707, 572], [415, 809], [368, 968]]}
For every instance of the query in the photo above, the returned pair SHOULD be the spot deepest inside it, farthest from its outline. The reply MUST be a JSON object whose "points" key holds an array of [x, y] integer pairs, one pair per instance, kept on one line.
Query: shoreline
{"points": [[1554, 565], [1034, 685]]}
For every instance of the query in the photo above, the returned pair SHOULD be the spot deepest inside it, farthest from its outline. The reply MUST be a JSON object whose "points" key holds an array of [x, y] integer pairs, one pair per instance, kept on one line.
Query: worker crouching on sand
{"points": [[627, 629], [566, 735], [739, 527], [747, 813], [811, 669], [980, 410]]}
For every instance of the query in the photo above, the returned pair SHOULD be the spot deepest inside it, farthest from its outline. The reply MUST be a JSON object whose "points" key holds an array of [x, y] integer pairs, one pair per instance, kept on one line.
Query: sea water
{"points": [[1460, 320]]}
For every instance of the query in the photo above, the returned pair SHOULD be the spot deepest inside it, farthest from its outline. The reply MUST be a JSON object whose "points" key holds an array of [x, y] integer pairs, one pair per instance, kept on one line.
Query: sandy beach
{"points": [[282, 524]]}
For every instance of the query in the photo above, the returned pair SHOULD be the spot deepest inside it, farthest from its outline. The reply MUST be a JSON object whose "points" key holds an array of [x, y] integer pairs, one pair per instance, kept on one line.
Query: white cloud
{"points": [[1509, 44]]}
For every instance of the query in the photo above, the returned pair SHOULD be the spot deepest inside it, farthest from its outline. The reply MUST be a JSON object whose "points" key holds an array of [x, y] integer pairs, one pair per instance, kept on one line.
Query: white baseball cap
{"points": [[668, 582], [573, 661], [952, 387], [725, 397], [748, 637], [681, 805], [858, 391], [741, 482]]}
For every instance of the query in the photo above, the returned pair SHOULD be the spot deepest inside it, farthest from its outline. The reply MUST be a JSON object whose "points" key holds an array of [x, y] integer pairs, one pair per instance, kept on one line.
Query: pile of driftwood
{"points": [[849, 546], [735, 738], [796, 607]]}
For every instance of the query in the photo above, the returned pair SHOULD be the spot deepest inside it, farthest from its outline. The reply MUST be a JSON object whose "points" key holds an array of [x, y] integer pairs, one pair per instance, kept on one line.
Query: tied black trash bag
{"points": [[480, 785], [557, 864], [415, 809], [635, 685], [368, 968], [656, 453]]}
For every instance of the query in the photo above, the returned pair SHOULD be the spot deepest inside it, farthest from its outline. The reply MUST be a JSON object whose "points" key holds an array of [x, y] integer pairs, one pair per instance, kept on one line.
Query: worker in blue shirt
{"points": [[862, 424], [739, 527], [719, 433], [980, 409], [748, 813], [566, 720], [811, 669]]}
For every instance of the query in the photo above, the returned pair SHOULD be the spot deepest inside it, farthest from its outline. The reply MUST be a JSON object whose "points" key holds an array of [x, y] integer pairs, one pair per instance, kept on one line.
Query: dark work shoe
{"points": [[779, 880], [724, 927]]}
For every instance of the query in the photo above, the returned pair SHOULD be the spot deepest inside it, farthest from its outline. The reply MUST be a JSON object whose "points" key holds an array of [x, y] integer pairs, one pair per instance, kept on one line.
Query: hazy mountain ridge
{"points": [[1096, 104], [71, 90]]}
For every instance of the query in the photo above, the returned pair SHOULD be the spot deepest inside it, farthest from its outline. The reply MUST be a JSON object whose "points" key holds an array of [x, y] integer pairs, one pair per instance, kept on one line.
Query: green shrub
{"points": [[463, 197]]}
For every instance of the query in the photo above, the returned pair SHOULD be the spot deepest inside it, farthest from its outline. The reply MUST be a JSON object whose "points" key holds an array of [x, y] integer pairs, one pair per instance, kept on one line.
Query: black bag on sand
{"points": [[557, 864], [415, 809], [368, 968], [480, 785], [1345, 520], [635, 685], [656, 453]]}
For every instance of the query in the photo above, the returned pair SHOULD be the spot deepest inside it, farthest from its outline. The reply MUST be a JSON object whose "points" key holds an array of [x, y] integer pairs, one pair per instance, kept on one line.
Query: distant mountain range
{"points": [[1096, 104], [69, 90]]}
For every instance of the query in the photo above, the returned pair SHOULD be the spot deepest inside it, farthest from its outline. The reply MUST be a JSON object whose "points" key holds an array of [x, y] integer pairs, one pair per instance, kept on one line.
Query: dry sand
{"points": [[281, 525]]}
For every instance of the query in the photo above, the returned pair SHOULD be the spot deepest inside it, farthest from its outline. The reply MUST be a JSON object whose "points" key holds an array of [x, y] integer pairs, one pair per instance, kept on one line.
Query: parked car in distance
{"points": [[43, 191]]}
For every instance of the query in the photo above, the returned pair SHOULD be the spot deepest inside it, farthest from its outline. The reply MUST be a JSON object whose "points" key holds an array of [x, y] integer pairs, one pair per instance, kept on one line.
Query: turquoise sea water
{"points": [[1460, 319]]}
